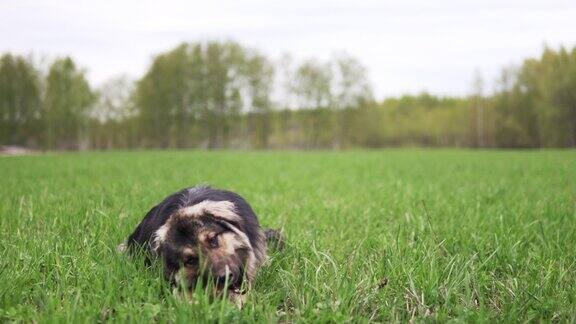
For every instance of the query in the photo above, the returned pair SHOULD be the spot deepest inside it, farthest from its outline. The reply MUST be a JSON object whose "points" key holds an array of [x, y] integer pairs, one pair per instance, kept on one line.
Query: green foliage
{"points": [[223, 95], [193, 94], [67, 102], [260, 79], [537, 102], [113, 119], [20, 109], [384, 236]]}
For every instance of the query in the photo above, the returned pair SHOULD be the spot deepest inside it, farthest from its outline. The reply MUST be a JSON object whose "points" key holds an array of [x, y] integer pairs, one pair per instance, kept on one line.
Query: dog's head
{"points": [[205, 241]]}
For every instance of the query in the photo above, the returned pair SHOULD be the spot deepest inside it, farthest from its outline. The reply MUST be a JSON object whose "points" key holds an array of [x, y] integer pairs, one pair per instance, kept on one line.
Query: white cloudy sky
{"points": [[408, 45]]}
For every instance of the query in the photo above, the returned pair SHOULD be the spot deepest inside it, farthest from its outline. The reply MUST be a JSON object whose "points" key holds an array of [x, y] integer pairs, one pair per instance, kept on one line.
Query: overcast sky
{"points": [[407, 46]]}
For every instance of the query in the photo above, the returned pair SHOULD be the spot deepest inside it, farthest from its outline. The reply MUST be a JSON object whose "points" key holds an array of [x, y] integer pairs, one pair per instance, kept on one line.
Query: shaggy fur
{"points": [[204, 233]]}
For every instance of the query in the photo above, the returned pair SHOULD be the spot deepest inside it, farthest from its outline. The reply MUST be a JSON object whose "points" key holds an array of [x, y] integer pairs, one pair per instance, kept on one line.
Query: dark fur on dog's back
{"points": [[160, 213]]}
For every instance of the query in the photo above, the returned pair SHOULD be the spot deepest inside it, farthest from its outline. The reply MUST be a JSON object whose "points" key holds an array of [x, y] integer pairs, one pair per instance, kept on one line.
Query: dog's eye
{"points": [[190, 261], [213, 241]]}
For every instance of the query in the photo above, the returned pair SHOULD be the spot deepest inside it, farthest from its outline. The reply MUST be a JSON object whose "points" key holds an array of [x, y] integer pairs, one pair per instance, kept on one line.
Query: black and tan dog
{"points": [[205, 234]]}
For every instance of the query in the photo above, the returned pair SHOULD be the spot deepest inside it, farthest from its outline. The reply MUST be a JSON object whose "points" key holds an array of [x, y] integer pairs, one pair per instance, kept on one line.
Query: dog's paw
{"points": [[122, 248], [238, 298]]}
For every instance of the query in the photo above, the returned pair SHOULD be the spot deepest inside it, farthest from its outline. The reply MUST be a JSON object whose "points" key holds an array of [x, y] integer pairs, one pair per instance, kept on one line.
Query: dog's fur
{"points": [[204, 233]]}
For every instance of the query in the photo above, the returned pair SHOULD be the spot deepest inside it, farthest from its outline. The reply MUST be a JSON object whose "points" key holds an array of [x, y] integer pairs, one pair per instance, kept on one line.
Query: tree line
{"points": [[224, 95]]}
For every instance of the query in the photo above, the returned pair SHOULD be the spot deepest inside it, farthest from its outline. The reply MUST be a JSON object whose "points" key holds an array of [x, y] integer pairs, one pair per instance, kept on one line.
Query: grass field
{"points": [[383, 235]]}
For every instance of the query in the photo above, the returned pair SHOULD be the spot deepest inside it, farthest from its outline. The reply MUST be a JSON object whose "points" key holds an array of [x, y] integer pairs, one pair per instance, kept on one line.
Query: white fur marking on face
{"points": [[222, 209], [252, 262], [242, 238], [231, 243], [178, 277], [160, 236]]}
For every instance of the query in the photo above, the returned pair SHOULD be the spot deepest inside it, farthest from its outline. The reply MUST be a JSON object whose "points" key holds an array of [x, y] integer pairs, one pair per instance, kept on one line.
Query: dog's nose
{"points": [[222, 279]]}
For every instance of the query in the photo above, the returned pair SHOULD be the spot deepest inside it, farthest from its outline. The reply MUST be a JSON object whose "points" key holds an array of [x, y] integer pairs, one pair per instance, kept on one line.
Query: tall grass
{"points": [[372, 236]]}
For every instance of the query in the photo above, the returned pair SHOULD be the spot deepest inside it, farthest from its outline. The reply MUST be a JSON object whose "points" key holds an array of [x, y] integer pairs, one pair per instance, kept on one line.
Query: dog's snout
{"points": [[226, 278]]}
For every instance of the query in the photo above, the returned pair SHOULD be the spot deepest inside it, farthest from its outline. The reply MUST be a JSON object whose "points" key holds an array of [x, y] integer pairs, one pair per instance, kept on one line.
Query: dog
{"points": [[208, 235]]}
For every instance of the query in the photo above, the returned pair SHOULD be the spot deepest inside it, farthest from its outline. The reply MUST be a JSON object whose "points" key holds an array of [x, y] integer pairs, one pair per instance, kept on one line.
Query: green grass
{"points": [[385, 235]]}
